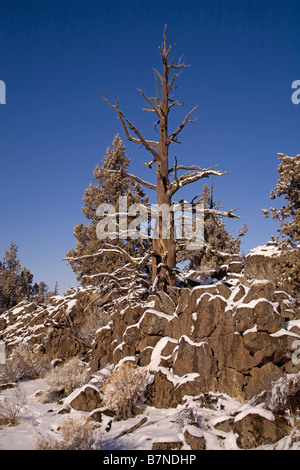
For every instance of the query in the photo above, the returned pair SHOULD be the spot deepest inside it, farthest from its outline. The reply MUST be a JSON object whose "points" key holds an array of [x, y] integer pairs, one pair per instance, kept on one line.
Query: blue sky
{"points": [[55, 128]]}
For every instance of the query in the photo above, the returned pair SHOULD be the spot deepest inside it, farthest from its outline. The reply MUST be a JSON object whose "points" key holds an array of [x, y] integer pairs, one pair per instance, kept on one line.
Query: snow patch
{"points": [[269, 250]]}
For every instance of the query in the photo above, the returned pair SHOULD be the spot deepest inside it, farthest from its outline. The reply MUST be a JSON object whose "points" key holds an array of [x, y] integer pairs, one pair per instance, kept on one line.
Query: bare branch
{"points": [[178, 66], [149, 164], [182, 125], [173, 103], [176, 75], [140, 139], [148, 144], [154, 108], [175, 168], [157, 100], [137, 179], [164, 53], [148, 110], [158, 75]]}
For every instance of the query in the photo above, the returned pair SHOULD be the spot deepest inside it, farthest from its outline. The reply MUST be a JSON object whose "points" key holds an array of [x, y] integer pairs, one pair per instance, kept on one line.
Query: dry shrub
{"points": [[95, 318], [65, 378], [23, 364], [75, 435], [185, 417], [123, 390], [11, 405]]}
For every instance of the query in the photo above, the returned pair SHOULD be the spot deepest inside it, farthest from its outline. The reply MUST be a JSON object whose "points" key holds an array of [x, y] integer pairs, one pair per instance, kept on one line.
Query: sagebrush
{"points": [[124, 389], [23, 364], [74, 435], [65, 378], [11, 406]]}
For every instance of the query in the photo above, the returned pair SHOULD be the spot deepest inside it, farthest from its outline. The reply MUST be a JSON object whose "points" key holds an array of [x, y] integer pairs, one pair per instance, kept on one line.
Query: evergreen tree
{"points": [[26, 279], [110, 183], [15, 281], [288, 188], [42, 290], [219, 242], [11, 271]]}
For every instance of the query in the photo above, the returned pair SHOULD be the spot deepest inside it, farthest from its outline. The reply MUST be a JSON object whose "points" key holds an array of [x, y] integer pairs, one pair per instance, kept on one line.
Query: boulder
{"points": [[194, 438], [102, 347], [260, 289], [164, 303], [231, 382], [176, 445], [160, 392], [209, 311], [225, 425], [183, 300], [7, 386], [87, 399], [96, 415], [133, 335], [195, 358], [196, 294], [266, 348], [154, 322], [132, 314], [147, 341], [145, 356], [235, 267], [263, 262], [255, 430], [261, 378], [259, 313], [168, 390], [239, 292], [224, 290], [228, 347]]}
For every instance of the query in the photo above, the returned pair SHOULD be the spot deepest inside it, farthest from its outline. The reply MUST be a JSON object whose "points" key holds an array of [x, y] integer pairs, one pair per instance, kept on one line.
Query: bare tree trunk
{"points": [[164, 248]]}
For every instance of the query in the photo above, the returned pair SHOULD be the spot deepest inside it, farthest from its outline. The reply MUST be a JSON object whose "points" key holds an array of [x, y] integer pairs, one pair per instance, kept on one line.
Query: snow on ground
{"points": [[159, 425], [35, 419]]}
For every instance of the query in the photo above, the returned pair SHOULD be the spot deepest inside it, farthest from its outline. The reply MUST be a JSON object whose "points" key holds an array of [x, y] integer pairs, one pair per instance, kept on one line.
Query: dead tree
{"points": [[164, 249]]}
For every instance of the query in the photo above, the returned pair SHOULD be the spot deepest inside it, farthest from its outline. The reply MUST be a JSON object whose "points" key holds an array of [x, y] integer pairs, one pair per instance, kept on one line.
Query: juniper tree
{"points": [[15, 280], [164, 249], [220, 245], [110, 182], [287, 190]]}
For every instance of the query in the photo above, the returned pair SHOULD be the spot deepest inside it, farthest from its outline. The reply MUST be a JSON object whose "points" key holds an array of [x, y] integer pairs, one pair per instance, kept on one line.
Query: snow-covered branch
{"points": [[189, 178], [229, 213], [138, 262], [192, 167]]}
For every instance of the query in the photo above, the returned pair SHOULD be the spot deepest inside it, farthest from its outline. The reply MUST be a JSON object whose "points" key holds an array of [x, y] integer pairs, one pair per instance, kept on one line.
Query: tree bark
{"points": [[164, 248]]}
